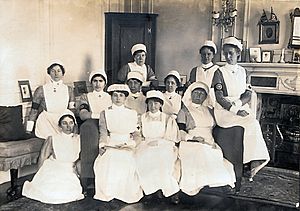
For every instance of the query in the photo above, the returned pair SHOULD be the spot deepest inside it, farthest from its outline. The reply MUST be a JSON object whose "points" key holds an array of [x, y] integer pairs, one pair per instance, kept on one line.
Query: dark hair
{"points": [[176, 79], [98, 75], [209, 47], [199, 88], [124, 92], [156, 99], [135, 80], [64, 116], [138, 51], [234, 46], [54, 64]]}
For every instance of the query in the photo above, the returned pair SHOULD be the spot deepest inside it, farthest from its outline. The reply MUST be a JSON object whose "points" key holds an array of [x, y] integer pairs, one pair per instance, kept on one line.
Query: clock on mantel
{"points": [[273, 78]]}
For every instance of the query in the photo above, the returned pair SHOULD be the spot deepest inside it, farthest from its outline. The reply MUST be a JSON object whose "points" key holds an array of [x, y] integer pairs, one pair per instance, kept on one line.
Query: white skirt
{"points": [[156, 167], [116, 177], [201, 165], [54, 183]]}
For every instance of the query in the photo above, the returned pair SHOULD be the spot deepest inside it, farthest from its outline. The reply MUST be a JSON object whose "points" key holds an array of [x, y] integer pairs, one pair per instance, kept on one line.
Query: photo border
{"points": [[25, 97], [270, 58]]}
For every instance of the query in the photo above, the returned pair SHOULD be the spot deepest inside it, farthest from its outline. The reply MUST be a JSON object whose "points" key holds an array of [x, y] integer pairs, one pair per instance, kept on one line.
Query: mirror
{"points": [[295, 35]]}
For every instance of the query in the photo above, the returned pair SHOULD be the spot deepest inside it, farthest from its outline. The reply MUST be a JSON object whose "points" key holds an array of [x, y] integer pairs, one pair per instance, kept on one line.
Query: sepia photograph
{"points": [[149, 105]]}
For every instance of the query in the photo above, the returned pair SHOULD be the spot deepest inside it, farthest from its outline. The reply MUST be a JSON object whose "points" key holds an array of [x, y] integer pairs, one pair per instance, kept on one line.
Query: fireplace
{"points": [[278, 110]]}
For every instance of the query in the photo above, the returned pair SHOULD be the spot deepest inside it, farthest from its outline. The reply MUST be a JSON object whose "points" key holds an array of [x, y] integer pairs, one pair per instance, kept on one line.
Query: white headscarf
{"points": [[187, 97]]}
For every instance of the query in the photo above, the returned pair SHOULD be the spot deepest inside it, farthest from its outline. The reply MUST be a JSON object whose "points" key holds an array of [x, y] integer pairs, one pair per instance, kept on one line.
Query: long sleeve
{"points": [[103, 130], [122, 74], [192, 78], [38, 97], [150, 74], [220, 90]]}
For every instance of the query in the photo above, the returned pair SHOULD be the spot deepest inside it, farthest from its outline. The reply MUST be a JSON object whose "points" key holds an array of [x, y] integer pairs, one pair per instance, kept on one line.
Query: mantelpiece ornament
{"points": [[289, 83]]}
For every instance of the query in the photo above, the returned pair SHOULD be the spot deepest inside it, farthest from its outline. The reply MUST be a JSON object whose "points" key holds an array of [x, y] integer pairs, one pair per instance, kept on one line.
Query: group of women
{"points": [[144, 144]]}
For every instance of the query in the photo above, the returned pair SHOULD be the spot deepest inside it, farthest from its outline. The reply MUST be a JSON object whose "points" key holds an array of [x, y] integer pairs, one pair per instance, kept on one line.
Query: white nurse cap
{"points": [[233, 41], [138, 47]]}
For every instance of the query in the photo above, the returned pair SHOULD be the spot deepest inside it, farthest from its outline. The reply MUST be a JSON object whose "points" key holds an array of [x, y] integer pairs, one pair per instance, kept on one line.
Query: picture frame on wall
{"points": [[266, 56], [269, 32], [296, 56], [80, 88], [255, 55], [25, 90]]}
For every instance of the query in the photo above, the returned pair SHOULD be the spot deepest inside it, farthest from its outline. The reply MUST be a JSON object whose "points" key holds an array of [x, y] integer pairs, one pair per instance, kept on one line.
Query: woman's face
{"points": [[231, 54], [171, 84], [134, 85], [198, 96], [206, 55], [67, 125], [118, 98], [154, 105], [56, 73], [140, 58], [98, 83]]}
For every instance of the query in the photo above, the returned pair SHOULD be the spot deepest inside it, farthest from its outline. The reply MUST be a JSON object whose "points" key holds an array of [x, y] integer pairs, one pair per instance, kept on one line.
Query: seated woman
{"points": [[172, 103], [232, 108], [115, 168], [56, 181], [202, 162], [49, 101], [89, 106], [139, 53], [156, 155]]}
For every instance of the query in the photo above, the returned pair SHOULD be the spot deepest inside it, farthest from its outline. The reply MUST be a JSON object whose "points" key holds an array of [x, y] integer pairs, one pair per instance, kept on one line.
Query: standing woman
{"points": [[139, 53], [56, 181], [157, 153], [115, 168], [49, 101], [232, 108], [172, 103], [89, 107], [202, 162], [205, 72]]}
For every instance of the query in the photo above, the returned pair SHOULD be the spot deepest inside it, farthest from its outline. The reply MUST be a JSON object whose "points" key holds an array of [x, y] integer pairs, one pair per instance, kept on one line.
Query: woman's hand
{"points": [[242, 113], [199, 139]]}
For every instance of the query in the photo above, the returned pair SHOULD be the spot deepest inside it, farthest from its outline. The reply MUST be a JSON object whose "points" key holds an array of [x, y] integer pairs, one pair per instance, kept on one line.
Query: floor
{"points": [[201, 202]]}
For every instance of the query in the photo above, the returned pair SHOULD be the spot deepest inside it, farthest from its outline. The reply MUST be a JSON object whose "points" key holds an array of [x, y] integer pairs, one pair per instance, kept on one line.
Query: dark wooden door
{"points": [[122, 31]]}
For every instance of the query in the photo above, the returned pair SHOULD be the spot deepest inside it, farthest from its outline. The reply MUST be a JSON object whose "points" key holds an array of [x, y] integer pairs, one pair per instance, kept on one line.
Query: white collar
{"points": [[115, 107], [206, 66], [100, 94], [56, 83], [233, 68], [136, 94], [154, 114], [134, 63]]}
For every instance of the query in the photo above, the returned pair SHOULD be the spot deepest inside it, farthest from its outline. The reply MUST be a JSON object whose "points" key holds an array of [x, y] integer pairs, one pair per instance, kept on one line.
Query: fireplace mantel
{"points": [[274, 78]]}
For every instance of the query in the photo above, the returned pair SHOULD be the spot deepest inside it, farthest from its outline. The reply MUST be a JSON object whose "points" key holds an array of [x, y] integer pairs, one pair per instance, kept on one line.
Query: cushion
{"points": [[11, 123], [20, 147]]}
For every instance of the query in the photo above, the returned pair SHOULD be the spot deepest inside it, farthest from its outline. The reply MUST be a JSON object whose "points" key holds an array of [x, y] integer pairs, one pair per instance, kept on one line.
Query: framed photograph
{"points": [[254, 54], [276, 55], [243, 53], [266, 56], [80, 88], [269, 32], [25, 90], [296, 56], [183, 79]]}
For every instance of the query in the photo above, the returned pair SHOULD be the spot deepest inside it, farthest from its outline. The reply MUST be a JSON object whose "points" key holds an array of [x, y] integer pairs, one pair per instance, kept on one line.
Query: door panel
{"points": [[123, 30]]}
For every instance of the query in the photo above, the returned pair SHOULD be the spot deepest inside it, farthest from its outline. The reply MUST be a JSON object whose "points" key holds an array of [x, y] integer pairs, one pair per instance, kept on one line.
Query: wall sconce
{"points": [[226, 17]]}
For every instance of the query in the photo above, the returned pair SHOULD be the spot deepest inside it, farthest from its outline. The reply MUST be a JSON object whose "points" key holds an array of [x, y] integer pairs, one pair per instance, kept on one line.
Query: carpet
{"points": [[270, 185], [273, 186]]}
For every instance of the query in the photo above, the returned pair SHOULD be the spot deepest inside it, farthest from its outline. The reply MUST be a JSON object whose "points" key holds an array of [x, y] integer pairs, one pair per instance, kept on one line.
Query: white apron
{"points": [[56, 103], [254, 145], [115, 170], [156, 158], [55, 182], [201, 164], [98, 104], [206, 76]]}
